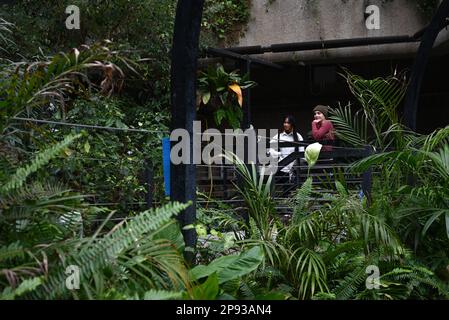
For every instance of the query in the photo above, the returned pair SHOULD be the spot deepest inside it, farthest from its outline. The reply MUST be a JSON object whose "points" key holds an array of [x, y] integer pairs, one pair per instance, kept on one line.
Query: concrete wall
{"points": [[287, 21]]}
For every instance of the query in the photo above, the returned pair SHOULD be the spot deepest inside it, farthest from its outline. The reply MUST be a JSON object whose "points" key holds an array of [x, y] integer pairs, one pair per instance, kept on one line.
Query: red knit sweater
{"points": [[323, 131]]}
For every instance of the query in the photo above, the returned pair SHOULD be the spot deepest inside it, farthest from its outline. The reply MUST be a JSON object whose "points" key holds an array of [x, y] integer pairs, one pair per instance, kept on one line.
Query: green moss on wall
{"points": [[224, 21]]}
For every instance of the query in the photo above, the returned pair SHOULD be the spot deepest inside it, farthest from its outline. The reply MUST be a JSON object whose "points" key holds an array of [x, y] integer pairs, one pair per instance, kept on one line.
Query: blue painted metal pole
{"points": [[166, 144]]}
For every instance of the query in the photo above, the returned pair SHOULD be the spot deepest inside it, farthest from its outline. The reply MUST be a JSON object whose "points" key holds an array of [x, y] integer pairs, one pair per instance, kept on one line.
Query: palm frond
{"points": [[435, 140], [375, 229], [256, 192], [310, 268], [349, 126], [379, 99], [440, 161], [305, 229]]}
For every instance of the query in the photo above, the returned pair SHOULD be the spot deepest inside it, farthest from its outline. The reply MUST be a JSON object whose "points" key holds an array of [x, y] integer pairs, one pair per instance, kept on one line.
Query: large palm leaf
{"points": [[379, 99], [350, 127]]}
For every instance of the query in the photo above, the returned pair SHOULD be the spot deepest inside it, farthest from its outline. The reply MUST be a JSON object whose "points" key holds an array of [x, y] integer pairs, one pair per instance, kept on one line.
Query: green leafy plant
{"points": [[220, 94], [379, 100], [352, 126], [230, 267], [19, 178], [131, 246], [256, 191], [5, 34], [50, 82], [423, 204], [224, 21]]}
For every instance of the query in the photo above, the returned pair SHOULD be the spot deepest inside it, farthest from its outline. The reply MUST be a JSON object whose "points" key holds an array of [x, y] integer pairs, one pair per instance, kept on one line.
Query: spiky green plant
{"points": [[5, 34], [377, 123], [256, 192], [29, 85]]}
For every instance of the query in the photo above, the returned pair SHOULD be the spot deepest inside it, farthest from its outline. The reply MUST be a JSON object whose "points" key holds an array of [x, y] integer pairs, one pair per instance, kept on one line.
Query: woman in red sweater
{"points": [[322, 129]]}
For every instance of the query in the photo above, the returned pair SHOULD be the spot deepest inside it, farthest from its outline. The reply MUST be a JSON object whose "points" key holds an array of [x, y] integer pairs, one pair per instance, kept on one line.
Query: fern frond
{"points": [[44, 157], [255, 232], [301, 199], [414, 276], [351, 283], [11, 251], [106, 250], [162, 295], [246, 291], [24, 287]]}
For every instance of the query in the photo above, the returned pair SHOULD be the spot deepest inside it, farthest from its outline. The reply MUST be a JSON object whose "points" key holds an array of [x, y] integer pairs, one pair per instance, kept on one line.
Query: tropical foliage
{"points": [[221, 94], [74, 220], [377, 122]]}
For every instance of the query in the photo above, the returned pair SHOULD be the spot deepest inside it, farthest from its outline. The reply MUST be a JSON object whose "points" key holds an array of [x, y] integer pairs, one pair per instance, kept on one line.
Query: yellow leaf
{"points": [[68, 152], [238, 91]]}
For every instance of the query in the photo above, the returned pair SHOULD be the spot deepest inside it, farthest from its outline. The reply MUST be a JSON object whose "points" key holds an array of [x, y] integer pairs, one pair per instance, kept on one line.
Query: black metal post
{"points": [[246, 122], [225, 182], [183, 90], [367, 177], [439, 21], [246, 69]]}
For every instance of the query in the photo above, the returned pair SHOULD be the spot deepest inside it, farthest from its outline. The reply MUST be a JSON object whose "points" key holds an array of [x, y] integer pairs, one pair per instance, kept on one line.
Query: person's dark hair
{"points": [[291, 119]]}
